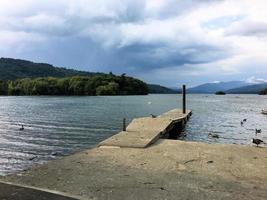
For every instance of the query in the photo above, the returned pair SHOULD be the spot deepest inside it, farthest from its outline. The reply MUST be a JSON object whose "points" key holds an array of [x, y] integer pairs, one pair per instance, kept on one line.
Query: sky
{"points": [[167, 42]]}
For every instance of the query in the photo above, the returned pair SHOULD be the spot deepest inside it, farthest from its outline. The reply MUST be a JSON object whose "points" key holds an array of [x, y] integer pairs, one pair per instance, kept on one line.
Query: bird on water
{"points": [[257, 131], [243, 121], [213, 135], [21, 128], [257, 141]]}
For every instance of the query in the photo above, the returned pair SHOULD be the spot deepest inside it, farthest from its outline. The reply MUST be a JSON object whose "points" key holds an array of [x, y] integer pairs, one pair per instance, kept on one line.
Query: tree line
{"points": [[107, 84], [263, 92]]}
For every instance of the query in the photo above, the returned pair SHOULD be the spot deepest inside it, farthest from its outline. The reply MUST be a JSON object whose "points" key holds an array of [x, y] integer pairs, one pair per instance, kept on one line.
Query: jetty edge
{"points": [[164, 169], [142, 132], [11, 191]]}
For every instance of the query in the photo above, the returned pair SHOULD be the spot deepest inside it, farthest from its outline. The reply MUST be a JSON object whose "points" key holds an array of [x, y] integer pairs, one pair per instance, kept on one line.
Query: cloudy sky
{"points": [[169, 42]]}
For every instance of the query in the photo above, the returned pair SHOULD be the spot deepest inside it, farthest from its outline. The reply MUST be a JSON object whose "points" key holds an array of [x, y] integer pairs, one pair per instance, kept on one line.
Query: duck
{"points": [[244, 120], [213, 135], [21, 128], [257, 131], [241, 123], [153, 116], [257, 141], [32, 158]]}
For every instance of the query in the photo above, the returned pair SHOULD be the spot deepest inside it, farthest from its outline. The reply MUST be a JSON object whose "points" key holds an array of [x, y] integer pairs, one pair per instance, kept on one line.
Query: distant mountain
{"points": [[220, 86], [158, 89], [11, 69], [251, 89]]}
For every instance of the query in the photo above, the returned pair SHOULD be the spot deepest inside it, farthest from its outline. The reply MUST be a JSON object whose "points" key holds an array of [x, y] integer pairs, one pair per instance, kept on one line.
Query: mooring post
{"points": [[184, 99], [124, 124]]}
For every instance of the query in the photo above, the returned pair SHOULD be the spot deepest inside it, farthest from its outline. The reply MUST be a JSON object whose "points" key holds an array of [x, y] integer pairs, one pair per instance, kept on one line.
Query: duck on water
{"points": [[21, 128]]}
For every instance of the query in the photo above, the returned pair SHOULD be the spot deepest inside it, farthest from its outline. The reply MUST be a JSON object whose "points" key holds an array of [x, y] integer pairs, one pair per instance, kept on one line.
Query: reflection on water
{"points": [[57, 126]]}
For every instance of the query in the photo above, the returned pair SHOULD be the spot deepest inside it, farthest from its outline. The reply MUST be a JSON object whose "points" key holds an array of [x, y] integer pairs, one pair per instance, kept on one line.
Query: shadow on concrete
{"points": [[12, 192]]}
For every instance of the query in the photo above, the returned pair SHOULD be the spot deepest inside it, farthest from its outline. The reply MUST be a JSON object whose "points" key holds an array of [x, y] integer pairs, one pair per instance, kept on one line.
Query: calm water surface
{"points": [[56, 126]]}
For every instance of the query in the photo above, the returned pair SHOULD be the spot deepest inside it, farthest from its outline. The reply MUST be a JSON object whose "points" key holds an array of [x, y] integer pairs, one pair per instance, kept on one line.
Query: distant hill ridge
{"points": [[232, 87], [215, 87], [11, 69], [250, 89], [158, 89]]}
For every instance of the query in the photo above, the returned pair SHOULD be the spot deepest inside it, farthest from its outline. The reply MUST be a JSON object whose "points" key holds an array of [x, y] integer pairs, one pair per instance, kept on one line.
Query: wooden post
{"points": [[184, 99], [124, 125]]}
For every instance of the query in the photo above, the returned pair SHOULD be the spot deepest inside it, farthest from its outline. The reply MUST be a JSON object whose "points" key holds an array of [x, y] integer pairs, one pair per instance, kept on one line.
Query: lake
{"points": [[57, 126]]}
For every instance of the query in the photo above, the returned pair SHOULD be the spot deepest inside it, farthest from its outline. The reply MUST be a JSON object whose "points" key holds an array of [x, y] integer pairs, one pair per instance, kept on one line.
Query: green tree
{"points": [[109, 89], [3, 87], [79, 85], [263, 92]]}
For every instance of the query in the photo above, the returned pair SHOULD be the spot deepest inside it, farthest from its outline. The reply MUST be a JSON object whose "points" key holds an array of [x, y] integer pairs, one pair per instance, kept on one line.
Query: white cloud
{"points": [[255, 80]]}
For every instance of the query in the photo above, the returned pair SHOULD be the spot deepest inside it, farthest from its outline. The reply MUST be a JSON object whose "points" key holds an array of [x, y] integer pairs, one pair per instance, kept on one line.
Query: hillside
{"points": [[251, 89], [11, 69], [214, 87], [20, 77], [158, 89]]}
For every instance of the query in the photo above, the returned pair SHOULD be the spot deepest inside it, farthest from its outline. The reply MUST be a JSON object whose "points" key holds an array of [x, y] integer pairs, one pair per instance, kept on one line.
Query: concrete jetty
{"points": [[156, 169], [142, 132]]}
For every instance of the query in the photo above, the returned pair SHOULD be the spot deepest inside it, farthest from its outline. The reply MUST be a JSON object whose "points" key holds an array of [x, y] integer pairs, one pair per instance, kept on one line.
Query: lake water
{"points": [[56, 126]]}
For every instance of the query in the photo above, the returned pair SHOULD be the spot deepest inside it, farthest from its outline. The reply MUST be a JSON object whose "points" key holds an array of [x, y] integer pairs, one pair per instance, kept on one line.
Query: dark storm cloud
{"points": [[155, 56], [104, 28]]}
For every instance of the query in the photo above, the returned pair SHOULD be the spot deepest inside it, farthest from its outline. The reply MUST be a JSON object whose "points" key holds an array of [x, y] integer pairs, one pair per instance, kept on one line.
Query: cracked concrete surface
{"points": [[169, 169]]}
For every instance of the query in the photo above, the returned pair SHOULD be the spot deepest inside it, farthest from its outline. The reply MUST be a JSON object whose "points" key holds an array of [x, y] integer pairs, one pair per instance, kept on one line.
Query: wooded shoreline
{"points": [[108, 84]]}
